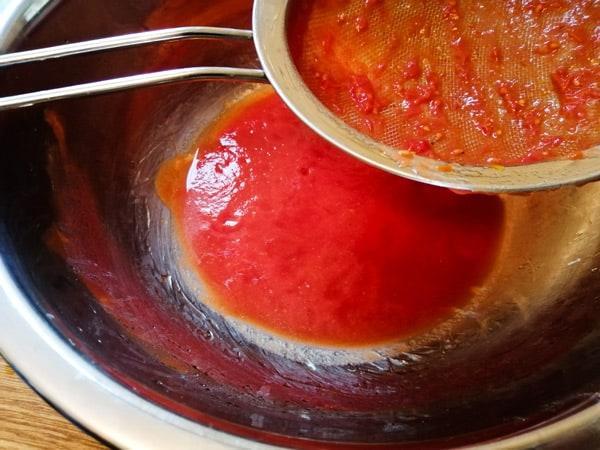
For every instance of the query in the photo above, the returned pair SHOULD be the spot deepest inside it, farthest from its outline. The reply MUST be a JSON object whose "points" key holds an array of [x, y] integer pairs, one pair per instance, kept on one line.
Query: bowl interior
{"points": [[92, 246]]}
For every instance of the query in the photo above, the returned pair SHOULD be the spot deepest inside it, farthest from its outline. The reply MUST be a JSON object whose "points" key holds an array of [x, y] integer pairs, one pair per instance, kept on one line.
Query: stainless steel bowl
{"points": [[141, 361]]}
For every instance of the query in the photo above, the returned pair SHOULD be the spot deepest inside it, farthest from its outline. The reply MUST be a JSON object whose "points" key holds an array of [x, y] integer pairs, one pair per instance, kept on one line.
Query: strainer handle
{"points": [[129, 82]]}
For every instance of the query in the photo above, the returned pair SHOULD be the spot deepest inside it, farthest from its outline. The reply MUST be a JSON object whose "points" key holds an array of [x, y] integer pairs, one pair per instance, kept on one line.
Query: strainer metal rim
{"points": [[270, 18]]}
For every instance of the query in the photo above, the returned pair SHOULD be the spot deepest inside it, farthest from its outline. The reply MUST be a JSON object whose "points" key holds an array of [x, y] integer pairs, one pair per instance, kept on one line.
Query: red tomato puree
{"points": [[503, 82], [298, 238]]}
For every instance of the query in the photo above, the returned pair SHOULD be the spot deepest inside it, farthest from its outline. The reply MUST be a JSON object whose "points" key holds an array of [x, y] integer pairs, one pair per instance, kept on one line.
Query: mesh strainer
{"points": [[270, 36]]}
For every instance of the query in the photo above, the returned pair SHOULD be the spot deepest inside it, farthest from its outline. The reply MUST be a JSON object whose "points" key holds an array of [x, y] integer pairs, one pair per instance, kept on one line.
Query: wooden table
{"points": [[27, 422]]}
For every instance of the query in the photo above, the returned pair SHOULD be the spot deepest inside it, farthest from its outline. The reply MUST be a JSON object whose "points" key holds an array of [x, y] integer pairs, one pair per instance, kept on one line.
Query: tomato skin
{"points": [[457, 74]]}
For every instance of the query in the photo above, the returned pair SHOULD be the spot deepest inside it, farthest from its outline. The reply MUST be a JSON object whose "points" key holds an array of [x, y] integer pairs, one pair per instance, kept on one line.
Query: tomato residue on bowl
{"points": [[296, 237], [468, 81]]}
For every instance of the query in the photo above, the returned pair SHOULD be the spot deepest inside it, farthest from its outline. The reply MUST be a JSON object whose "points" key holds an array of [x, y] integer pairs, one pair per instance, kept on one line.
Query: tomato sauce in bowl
{"points": [[306, 242]]}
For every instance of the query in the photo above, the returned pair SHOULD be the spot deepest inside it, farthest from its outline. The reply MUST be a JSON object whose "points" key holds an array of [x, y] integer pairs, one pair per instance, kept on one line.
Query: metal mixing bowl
{"points": [[135, 355]]}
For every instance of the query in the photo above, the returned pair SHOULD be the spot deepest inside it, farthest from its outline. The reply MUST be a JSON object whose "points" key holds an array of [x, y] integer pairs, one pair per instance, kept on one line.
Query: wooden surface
{"points": [[28, 422]]}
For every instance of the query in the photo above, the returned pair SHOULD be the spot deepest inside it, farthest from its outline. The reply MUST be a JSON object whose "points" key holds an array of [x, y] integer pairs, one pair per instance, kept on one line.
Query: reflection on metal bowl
{"points": [[517, 367]]}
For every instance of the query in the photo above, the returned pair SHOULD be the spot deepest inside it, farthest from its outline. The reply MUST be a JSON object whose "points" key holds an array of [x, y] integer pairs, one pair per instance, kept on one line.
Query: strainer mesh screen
{"points": [[477, 82]]}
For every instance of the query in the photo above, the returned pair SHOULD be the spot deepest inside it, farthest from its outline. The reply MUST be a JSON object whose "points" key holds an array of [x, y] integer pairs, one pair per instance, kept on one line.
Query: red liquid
{"points": [[297, 237], [504, 83]]}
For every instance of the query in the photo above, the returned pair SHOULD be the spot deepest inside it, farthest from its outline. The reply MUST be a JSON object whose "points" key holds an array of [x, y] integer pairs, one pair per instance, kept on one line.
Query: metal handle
{"points": [[129, 82]]}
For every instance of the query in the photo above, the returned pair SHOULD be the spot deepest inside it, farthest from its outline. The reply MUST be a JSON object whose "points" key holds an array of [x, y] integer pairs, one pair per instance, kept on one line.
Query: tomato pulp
{"points": [[296, 237], [504, 83]]}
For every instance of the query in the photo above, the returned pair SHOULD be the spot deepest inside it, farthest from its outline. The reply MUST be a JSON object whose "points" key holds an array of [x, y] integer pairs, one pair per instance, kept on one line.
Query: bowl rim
{"points": [[55, 370]]}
